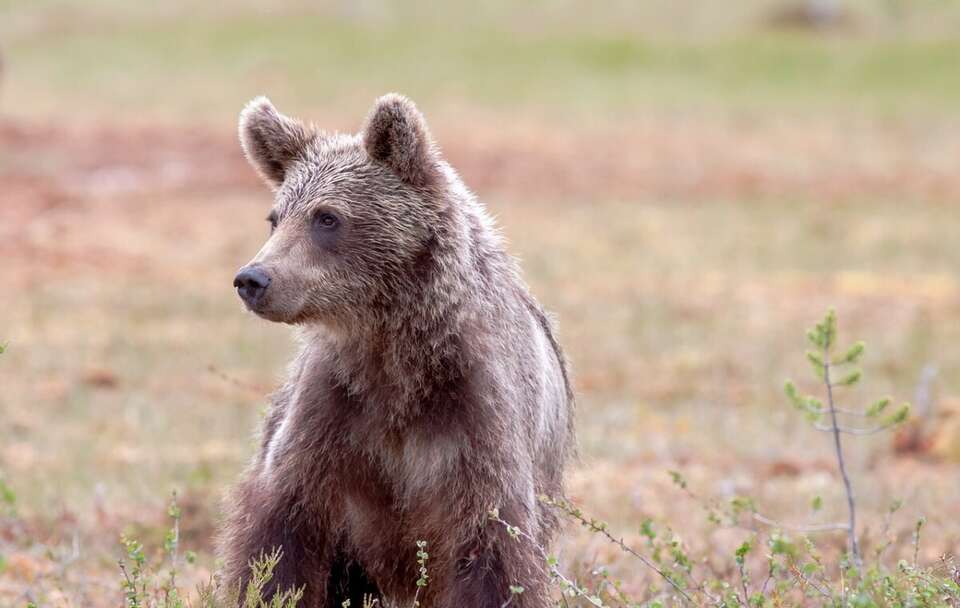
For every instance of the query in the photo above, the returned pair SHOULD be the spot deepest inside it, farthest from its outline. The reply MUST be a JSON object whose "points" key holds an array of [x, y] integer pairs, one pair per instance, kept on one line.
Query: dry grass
{"points": [[681, 317], [684, 249]]}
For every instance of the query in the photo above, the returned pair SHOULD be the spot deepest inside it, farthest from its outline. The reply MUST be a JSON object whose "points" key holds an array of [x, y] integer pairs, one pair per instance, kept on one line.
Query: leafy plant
{"points": [[795, 571], [837, 373], [144, 586]]}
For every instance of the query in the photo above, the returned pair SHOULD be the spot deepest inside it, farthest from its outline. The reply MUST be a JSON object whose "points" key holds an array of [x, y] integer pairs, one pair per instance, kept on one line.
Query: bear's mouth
{"points": [[296, 315], [263, 310]]}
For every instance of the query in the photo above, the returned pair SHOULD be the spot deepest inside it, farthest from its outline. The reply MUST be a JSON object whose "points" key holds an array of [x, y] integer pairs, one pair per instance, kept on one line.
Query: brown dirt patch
{"points": [[677, 157], [55, 178]]}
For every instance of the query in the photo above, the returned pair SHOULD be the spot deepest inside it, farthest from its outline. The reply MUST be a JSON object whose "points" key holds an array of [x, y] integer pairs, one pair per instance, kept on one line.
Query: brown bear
{"points": [[429, 388]]}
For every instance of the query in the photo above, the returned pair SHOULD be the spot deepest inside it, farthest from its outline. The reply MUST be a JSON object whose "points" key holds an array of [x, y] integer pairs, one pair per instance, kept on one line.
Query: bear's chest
{"points": [[348, 440]]}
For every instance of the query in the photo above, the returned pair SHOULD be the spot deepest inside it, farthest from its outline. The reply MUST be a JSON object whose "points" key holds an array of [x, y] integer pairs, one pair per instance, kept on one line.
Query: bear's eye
{"points": [[272, 218], [326, 221]]}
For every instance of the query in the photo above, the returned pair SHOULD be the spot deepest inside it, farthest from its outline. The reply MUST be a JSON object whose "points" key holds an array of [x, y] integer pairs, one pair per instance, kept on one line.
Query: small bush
{"points": [[795, 572], [147, 586]]}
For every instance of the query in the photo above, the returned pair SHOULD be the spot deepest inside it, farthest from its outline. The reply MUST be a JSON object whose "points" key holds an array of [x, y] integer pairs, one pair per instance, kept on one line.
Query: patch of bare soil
{"points": [[681, 157], [703, 159], [46, 171]]}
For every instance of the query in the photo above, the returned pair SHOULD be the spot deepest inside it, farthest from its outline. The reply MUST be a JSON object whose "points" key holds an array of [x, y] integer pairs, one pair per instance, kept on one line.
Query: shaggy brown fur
{"points": [[429, 388]]}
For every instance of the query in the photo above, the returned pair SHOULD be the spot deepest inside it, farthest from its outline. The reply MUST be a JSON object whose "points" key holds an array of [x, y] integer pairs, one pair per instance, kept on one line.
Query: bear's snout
{"points": [[251, 284]]}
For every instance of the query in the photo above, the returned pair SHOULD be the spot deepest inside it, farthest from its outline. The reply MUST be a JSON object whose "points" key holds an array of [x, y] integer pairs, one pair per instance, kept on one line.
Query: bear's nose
{"points": [[251, 283]]}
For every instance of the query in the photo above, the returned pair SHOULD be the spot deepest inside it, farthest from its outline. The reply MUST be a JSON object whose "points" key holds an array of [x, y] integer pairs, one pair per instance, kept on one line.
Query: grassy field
{"points": [[182, 63], [687, 191]]}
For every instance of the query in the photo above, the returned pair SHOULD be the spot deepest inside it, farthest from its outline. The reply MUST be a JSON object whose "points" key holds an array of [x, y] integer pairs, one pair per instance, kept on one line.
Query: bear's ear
{"points": [[396, 135], [271, 140]]}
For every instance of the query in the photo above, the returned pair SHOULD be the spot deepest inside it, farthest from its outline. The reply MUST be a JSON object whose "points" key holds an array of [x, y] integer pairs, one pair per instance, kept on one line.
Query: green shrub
{"points": [[147, 586], [795, 572]]}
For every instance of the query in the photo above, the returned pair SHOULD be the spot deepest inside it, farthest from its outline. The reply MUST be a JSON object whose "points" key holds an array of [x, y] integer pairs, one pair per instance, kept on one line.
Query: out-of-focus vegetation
{"points": [[686, 185], [177, 60]]}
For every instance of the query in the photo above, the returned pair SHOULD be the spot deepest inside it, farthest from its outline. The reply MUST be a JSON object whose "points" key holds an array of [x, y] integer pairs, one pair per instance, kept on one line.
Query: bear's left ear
{"points": [[271, 140], [396, 135]]}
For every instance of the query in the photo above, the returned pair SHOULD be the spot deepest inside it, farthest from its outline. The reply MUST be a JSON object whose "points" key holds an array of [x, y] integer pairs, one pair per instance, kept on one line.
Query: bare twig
{"points": [[852, 430], [887, 523], [766, 581], [602, 529], [743, 583], [924, 396], [801, 527], [806, 580], [841, 463], [554, 571], [916, 541], [854, 413]]}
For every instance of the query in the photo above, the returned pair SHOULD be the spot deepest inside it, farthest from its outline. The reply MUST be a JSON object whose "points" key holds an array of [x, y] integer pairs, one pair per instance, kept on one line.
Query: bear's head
{"points": [[354, 216]]}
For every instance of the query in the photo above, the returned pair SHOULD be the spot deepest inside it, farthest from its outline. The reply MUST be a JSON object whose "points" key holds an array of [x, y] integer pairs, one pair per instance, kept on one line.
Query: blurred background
{"points": [[689, 185]]}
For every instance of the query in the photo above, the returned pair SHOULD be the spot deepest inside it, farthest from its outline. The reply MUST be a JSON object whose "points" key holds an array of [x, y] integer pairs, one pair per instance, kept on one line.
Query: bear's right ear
{"points": [[271, 140]]}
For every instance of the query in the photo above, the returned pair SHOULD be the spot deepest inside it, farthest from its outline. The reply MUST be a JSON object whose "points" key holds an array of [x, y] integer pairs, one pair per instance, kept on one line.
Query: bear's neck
{"points": [[418, 351], [401, 365]]}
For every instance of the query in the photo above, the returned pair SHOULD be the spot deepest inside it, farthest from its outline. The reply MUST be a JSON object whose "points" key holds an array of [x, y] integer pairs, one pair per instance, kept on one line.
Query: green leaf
{"points": [[7, 495], [817, 503], [646, 529], [782, 545], [812, 408], [678, 479], [739, 504], [830, 328], [816, 360], [900, 415], [790, 390], [853, 354], [877, 408], [850, 379]]}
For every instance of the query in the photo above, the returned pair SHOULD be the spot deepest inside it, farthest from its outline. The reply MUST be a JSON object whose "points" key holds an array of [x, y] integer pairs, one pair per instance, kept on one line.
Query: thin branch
{"points": [[743, 584], [916, 541], [887, 522], [843, 588], [763, 588], [803, 577], [554, 571], [646, 561], [847, 412], [924, 395], [619, 542], [852, 430], [841, 463], [801, 527]]}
